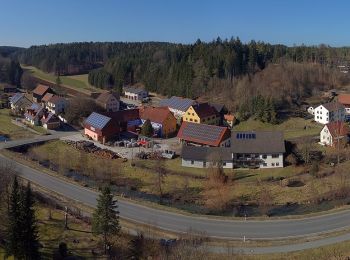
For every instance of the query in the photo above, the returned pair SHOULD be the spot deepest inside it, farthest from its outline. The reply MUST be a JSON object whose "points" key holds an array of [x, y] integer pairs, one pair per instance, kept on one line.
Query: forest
{"points": [[230, 67]]}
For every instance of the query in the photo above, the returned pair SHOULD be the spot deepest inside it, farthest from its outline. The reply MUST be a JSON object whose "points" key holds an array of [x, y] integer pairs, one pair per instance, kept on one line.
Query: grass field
{"points": [[292, 128], [78, 82], [9, 129], [189, 187]]}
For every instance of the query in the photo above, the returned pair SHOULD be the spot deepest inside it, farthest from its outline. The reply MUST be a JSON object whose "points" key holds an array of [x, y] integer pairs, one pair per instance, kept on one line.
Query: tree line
{"points": [[10, 71], [172, 69]]}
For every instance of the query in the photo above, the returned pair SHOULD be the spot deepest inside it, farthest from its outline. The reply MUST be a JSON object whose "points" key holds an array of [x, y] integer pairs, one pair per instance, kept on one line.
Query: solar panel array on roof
{"points": [[203, 132], [16, 97], [97, 120], [246, 136], [177, 103]]}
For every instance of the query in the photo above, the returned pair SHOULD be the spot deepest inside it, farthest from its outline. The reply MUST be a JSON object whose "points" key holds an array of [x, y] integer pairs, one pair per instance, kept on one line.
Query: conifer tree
{"points": [[13, 246], [147, 129], [105, 220], [30, 238]]}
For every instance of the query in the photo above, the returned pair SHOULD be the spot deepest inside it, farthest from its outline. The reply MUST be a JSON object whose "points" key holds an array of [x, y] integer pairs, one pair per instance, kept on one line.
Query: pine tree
{"points": [[105, 220], [30, 238], [13, 246], [147, 129]]}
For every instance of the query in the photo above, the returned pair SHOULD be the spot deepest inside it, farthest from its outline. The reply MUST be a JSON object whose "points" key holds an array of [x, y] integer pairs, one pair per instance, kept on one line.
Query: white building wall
{"points": [[325, 136], [270, 161], [323, 116], [201, 164]]}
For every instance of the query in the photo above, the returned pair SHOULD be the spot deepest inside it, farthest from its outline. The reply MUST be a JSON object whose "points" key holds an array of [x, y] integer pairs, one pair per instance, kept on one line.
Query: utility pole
{"points": [[66, 218]]}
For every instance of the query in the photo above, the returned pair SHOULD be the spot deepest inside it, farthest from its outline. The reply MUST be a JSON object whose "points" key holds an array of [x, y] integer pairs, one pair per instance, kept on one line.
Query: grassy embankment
{"points": [[189, 185], [9, 129], [77, 82]]}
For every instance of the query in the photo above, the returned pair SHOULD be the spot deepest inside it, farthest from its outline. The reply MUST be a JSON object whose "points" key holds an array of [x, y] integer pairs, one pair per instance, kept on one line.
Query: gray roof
{"points": [[331, 106], [97, 120], [264, 142], [177, 103], [134, 90], [199, 153], [15, 98]]}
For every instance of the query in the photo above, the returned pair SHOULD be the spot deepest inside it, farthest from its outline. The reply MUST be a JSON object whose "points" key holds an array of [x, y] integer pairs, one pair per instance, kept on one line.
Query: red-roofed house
{"points": [[344, 99], [40, 91], [204, 135], [202, 114], [162, 120], [334, 131]]}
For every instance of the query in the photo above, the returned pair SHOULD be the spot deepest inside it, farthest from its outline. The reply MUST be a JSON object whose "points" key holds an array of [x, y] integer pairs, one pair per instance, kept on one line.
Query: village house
{"points": [[19, 103], [202, 114], [329, 112], [109, 101], [177, 105], [100, 128], [50, 121], [135, 93], [229, 120], [344, 99], [333, 132], [204, 135], [162, 120], [46, 98], [221, 110], [56, 104], [203, 157], [40, 91], [34, 113], [249, 149]]}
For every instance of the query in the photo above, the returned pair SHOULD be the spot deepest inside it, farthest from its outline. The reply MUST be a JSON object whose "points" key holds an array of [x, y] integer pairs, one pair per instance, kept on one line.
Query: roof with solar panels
{"points": [[97, 120], [257, 142], [178, 103], [203, 134]]}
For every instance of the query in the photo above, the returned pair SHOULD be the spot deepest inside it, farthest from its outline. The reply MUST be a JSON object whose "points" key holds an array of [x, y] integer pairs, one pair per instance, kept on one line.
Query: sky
{"points": [[33, 22]]}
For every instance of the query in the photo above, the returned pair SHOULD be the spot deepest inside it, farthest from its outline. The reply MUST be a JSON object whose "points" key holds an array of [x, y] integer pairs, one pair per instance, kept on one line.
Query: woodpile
{"points": [[90, 147]]}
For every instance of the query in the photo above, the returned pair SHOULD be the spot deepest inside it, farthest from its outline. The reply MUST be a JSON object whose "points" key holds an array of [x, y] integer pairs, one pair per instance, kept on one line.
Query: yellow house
{"points": [[202, 114]]}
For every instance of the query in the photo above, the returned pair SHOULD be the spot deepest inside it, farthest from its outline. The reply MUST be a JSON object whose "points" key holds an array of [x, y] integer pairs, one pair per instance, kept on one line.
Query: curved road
{"points": [[225, 229]]}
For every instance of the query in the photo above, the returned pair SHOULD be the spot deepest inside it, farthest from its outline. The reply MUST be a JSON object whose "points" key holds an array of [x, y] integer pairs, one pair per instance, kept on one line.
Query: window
{"points": [[196, 120], [191, 119], [272, 164], [224, 164], [264, 164], [204, 164], [192, 162], [188, 113], [264, 156], [275, 156], [277, 164]]}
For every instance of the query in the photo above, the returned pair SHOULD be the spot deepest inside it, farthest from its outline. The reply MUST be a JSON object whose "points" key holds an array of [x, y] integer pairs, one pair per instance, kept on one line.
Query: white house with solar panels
{"points": [[177, 105], [249, 149]]}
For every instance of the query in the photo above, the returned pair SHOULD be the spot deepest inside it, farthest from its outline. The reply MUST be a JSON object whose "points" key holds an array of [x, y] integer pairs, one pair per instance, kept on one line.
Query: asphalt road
{"points": [[232, 229]]}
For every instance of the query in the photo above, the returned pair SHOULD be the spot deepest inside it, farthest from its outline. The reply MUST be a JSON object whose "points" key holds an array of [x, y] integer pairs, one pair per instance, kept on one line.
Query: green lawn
{"points": [[78, 82], [9, 129], [292, 128]]}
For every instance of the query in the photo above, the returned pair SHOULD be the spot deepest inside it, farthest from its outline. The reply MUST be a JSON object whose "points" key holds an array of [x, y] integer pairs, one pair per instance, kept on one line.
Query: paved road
{"points": [[234, 229]]}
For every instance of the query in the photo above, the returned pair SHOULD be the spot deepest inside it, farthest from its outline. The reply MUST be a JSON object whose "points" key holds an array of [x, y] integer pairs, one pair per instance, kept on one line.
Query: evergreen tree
{"points": [[30, 238], [137, 247], [147, 129], [58, 80], [13, 245], [105, 220]]}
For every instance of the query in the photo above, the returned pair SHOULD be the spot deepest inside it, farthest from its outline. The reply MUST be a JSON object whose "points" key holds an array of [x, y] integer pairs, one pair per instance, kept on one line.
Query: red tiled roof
{"points": [[344, 99], [204, 110], [124, 115], [229, 117], [203, 134], [47, 97], [338, 128], [41, 89], [155, 114]]}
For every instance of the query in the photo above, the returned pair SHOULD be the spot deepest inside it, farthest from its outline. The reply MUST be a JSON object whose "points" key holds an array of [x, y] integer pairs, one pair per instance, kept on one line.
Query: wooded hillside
{"points": [[180, 69]]}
